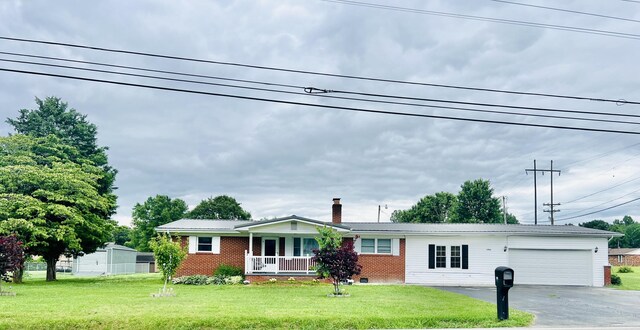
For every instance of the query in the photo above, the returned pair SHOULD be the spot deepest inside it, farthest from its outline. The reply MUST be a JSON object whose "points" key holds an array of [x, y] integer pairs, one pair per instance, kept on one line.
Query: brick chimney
{"points": [[337, 211]]}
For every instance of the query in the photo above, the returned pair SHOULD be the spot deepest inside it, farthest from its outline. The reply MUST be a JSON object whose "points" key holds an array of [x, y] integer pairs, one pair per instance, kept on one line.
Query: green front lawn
{"points": [[630, 281], [122, 302]]}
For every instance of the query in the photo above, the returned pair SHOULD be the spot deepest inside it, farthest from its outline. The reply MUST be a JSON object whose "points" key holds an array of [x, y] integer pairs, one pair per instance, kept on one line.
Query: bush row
{"points": [[206, 280]]}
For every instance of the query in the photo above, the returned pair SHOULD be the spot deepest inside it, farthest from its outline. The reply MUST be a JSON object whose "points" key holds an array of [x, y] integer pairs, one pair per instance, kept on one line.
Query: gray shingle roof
{"points": [[460, 228], [193, 225], [230, 226]]}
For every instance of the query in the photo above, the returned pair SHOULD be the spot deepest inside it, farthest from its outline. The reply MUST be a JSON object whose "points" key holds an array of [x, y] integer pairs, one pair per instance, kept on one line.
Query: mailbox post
{"points": [[504, 282]]}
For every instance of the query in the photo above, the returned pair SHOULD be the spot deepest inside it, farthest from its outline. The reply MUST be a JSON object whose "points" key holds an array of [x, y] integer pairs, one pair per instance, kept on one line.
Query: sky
{"points": [[280, 159]]}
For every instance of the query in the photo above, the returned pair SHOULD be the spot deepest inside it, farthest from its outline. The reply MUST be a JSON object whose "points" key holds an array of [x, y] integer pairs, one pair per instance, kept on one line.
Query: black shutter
{"points": [[465, 257], [432, 256]]}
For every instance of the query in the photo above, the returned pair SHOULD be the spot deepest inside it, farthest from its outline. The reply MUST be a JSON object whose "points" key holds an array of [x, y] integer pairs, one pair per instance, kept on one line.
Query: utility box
{"points": [[504, 282]]}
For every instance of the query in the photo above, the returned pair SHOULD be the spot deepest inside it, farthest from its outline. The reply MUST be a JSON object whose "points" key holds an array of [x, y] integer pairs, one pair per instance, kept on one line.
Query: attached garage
{"points": [[552, 267]]}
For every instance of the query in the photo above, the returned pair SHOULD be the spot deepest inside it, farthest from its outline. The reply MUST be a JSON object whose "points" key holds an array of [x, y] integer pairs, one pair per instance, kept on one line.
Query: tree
{"points": [[430, 209], [169, 255], [596, 224], [54, 117], [11, 256], [620, 226], [632, 236], [335, 260], [476, 203], [511, 219], [154, 212], [121, 235], [220, 207], [49, 197]]}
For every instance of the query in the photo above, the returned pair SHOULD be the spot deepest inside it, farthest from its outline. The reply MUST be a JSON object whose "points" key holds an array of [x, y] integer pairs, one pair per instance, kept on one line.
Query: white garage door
{"points": [[551, 267]]}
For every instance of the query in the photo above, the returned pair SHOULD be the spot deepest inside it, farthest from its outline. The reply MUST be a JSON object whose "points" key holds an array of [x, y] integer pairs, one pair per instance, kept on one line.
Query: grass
{"points": [[122, 302], [630, 281]]}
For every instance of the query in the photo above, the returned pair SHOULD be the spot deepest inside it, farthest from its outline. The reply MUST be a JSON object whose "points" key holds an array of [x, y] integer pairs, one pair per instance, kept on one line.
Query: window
{"points": [[294, 225], [368, 245], [441, 256], [384, 245], [205, 244], [455, 257], [296, 246], [309, 244], [304, 246], [375, 245], [458, 256]]}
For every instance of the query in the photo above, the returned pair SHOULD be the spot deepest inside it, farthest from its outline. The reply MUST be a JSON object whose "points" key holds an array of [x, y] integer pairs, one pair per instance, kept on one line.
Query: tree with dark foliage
{"points": [[11, 256], [335, 260]]}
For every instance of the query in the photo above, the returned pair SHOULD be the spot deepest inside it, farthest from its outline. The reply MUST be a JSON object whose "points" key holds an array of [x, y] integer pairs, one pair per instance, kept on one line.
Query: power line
{"points": [[321, 106], [322, 95], [414, 83], [567, 10], [507, 106], [601, 210], [602, 154], [603, 190], [603, 203], [493, 20]]}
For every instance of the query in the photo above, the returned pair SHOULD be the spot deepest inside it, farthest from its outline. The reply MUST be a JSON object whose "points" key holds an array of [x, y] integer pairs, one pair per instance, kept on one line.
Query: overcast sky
{"points": [[283, 159]]}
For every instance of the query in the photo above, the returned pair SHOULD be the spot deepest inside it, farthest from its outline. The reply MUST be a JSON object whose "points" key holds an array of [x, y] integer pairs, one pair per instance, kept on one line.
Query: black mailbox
{"points": [[504, 282]]}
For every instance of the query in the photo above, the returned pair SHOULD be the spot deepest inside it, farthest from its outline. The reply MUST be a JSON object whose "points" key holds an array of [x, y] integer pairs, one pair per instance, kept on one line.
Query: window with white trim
{"points": [[205, 244], [441, 256], [375, 245], [453, 256], [304, 246], [456, 256]]}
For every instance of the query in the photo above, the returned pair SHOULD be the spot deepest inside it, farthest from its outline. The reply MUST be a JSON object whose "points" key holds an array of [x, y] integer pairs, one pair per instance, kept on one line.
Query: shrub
{"points": [[192, 280], [228, 271], [615, 279], [625, 269]]}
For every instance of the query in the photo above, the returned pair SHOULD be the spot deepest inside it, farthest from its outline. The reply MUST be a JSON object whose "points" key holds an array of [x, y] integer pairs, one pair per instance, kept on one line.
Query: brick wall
{"points": [[383, 268], [628, 260], [231, 253], [607, 275]]}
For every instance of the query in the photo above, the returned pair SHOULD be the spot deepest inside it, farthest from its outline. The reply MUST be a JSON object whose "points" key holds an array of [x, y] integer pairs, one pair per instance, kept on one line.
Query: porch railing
{"points": [[278, 264]]}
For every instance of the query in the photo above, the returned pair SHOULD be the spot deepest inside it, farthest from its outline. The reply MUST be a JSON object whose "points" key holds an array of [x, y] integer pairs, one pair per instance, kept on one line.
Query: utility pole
{"points": [[378, 213], [551, 205], [504, 209], [535, 170]]}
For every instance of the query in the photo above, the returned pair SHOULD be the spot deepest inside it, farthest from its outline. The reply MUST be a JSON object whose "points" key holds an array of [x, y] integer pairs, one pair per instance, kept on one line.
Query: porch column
{"points": [[251, 244]]}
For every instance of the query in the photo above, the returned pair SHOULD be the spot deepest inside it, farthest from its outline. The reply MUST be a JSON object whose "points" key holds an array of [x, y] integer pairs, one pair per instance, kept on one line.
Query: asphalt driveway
{"points": [[567, 306]]}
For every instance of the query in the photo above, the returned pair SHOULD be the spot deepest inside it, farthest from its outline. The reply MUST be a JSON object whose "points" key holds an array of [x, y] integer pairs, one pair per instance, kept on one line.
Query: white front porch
{"points": [[278, 265]]}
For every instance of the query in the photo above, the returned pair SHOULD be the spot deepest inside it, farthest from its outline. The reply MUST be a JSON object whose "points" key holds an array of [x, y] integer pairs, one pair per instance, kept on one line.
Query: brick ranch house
{"points": [[432, 254], [624, 257]]}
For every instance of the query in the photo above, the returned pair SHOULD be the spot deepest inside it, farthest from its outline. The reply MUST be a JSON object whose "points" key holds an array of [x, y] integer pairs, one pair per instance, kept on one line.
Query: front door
{"points": [[270, 254]]}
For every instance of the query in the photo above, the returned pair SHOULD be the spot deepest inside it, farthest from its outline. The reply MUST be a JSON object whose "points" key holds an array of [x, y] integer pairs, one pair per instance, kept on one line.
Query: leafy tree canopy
{"points": [[121, 235], [596, 224], [220, 207], [53, 117], [436, 208], [49, 196], [476, 203], [154, 212], [169, 255]]}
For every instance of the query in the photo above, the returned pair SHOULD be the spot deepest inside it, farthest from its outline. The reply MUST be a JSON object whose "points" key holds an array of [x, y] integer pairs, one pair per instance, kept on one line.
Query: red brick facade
{"points": [[231, 253], [625, 260], [376, 268], [383, 268]]}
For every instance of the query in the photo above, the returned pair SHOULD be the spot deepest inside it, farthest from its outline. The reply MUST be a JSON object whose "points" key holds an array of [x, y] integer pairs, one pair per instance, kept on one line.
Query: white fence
{"points": [[279, 264]]}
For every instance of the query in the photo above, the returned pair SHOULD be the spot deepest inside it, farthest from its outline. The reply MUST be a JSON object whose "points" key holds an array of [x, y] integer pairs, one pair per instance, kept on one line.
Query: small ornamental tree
{"points": [[11, 256], [169, 255], [335, 260]]}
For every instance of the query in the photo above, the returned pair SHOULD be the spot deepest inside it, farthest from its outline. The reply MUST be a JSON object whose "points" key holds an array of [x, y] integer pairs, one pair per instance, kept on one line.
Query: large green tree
{"points": [[621, 227], [436, 208], [476, 203], [220, 207], [49, 197], [596, 224], [121, 235], [155, 211], [52, 116]]}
